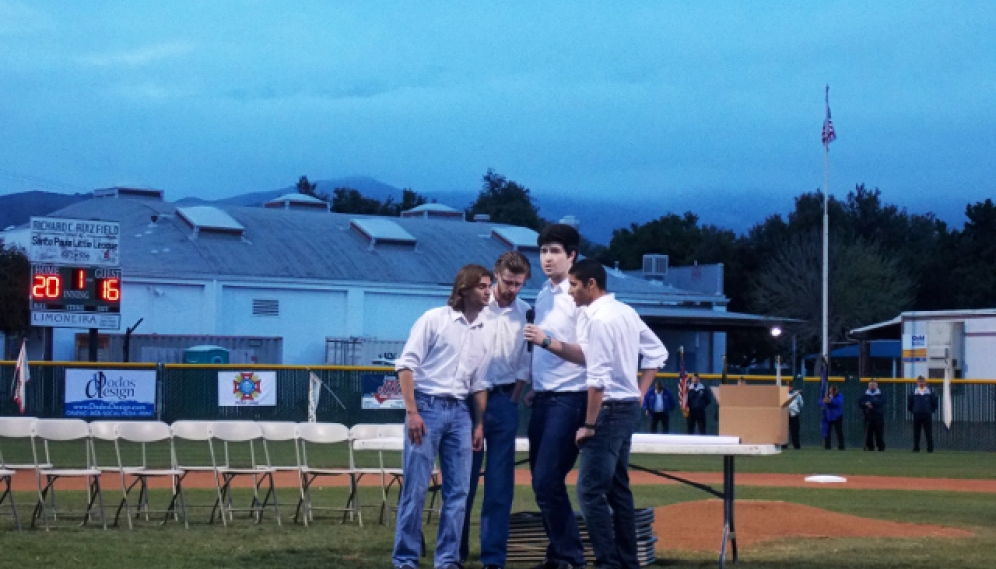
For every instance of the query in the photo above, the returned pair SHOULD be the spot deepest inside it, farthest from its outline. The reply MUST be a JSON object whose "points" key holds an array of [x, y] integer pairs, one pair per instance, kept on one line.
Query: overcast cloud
{"points": [[677, 105]]}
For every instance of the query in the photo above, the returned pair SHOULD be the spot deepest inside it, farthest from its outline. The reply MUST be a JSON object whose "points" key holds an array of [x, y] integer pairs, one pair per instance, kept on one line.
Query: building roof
{"points": [[893, 328], [286, 244]]}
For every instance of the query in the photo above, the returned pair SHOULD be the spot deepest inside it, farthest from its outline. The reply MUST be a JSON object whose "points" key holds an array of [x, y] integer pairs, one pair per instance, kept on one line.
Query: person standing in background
{"points": [[833, 417], [507, 374], [795, 408], [658, 404], [872, 403], [699, 397], [922, 402]]}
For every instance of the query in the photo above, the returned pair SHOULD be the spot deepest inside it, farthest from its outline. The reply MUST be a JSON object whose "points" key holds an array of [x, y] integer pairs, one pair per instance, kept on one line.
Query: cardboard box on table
{"points": [[758, 414]]}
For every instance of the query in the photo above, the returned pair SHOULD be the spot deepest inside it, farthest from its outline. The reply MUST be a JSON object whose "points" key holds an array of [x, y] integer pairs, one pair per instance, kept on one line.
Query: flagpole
{"points": [[826, 239]]}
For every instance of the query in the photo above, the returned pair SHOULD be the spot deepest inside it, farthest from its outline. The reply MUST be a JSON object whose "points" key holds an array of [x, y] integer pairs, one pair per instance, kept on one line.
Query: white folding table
{"points": [[644, 444]]}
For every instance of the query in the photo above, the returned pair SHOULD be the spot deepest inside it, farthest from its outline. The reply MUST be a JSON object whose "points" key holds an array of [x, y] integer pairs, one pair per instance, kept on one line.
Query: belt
{"points": [[564, 393], [620, 403], [445, 399], [504, 387]]}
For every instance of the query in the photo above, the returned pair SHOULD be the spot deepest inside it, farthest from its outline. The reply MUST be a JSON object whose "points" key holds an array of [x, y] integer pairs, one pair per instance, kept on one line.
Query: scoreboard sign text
{"points": [[74, 242]]}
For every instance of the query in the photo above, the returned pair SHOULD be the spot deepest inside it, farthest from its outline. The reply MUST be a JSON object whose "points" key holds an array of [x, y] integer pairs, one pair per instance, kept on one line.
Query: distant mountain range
{"points": [[598, 218]]}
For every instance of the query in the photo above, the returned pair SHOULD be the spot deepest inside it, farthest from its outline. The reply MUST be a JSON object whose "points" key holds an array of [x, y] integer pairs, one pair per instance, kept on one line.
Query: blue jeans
{"points": [[554, 422], [448, 434], [603, 486], [501, 421]]}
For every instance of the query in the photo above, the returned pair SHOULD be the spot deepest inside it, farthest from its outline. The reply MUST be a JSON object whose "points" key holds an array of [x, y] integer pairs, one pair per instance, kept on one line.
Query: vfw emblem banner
{"points": [[247, 388]]}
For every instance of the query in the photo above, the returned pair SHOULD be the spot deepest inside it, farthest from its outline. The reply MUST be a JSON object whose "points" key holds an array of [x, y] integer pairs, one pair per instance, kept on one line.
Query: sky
{"points": [[713, 107]]}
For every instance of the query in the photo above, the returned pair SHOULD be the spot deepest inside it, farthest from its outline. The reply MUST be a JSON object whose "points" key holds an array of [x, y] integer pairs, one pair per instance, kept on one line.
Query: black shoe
{"points": [[915, 449], [930, 450]]}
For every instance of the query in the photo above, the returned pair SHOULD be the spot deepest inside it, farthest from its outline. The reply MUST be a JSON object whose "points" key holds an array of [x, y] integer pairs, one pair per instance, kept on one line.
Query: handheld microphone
{"points": [[530, 318]]}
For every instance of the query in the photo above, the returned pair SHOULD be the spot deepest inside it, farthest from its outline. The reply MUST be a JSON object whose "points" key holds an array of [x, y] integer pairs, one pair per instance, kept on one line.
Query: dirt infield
{"points": [[761, 521], [25, 481]]}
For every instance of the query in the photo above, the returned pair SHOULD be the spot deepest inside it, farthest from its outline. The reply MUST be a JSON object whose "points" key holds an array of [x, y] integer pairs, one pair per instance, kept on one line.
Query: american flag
{"points": [[828, 133], [683, 386]]}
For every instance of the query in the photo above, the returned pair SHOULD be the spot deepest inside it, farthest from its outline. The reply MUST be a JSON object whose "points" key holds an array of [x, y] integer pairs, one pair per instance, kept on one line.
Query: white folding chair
{"points": [[136, 436], [18, 429], [7, 477], [324, 439], [44, 431], [191, 453], [104, 432], [278, 439], [366, 431], [246, 433]]}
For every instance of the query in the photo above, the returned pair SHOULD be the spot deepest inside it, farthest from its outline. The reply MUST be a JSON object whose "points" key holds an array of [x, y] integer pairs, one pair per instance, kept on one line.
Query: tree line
{"points": [[883, 259]]}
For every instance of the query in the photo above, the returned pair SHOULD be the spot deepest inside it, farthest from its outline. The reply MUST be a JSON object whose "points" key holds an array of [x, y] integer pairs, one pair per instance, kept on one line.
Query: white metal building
{"points": [[303, 274], [965, 340]]}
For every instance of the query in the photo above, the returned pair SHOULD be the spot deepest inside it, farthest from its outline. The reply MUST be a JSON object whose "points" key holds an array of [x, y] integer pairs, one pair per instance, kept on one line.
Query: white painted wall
{"points": [[305, 318]]}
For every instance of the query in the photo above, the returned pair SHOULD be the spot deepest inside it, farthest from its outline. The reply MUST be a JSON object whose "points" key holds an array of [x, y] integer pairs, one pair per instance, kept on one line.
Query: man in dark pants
{"points": [[559, 397], [614, 340], [872, 403], [658, 404], [922, 402], [507, 373], [699, 397]]}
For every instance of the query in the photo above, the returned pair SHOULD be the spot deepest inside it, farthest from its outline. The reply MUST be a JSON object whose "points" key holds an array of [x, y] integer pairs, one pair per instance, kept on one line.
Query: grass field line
{"points": [[25, 481]]}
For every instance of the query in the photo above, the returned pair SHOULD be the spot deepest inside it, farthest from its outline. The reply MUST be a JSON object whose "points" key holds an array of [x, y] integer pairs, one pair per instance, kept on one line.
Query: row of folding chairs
{"points": [[132, 439]]}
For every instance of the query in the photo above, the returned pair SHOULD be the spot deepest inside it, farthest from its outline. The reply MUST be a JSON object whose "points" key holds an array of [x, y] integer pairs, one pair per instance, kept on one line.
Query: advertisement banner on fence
{"points": [[247, 388], [110, 393], [381, 391]]}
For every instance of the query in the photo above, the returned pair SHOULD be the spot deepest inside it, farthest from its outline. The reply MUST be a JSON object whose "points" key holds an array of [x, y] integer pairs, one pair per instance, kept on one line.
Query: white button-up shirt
{"points": [[447, 355], [510, 360], [557, 316], [613, 337]]}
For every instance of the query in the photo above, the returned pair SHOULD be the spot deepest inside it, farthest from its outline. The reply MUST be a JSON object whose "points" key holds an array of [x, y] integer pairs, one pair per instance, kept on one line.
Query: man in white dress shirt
{"points": [[558, 398], [613, 338], [444, 361], [507, 374]]}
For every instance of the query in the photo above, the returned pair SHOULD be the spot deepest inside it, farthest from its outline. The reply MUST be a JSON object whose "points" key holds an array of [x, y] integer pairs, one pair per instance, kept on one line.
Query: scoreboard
{"points": [[77, 297], [75, 279]]}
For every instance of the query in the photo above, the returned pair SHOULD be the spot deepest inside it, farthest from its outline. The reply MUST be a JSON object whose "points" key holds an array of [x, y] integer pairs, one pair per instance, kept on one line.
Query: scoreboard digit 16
{"points": [[82, 289]]}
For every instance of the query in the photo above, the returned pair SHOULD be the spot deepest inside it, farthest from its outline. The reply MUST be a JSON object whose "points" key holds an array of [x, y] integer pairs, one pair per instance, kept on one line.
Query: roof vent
{"points": [[655, 266], [209, 219], [129, 193], [434, 211], [572, 221], [518, 238], [380, 230], [298, 201]]}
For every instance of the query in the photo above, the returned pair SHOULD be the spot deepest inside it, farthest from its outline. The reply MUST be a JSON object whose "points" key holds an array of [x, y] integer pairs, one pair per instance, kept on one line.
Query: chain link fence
{"points": [[188, 391]]}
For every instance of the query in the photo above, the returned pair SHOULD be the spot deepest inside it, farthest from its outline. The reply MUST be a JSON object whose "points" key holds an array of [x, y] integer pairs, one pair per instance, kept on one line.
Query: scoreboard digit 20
{"points": [[75, 289]]}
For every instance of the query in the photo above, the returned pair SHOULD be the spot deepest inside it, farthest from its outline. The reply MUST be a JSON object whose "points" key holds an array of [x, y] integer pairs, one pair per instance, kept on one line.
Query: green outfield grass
{"points": [[330, 544]]}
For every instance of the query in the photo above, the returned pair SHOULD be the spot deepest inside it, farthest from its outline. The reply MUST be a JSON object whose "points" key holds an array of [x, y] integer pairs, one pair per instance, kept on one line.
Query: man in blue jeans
{"points": [[507, 374], [614, 339], [444, 361], [559, 397]]}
